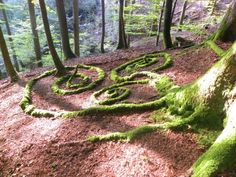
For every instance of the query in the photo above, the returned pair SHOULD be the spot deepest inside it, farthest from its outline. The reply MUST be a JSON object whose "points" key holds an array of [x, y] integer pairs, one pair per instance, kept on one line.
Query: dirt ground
{"points": [[56, 147]]}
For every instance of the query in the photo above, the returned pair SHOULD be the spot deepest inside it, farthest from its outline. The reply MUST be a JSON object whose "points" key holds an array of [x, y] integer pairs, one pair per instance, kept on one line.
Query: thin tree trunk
{"points": [[64, 30], [6, 58], [10, 38], [181, 20], [167, 24], [103, 26], [122, 43], [159, 23], [173, 10], [58, 64], [37, 48], [213, 7], [76, 27]]}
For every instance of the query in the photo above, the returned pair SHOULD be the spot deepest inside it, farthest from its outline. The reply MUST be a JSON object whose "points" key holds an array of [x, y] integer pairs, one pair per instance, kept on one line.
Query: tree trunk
{"points": [[159, 23], [76, 27], [64, 30], [6, 58], [10, 38], [227, 29], [173, 10], [33, 22], [103, 26], [58, 64], [218, 92], [213, 7], [167, 25], [183, 13], [122, 43]]}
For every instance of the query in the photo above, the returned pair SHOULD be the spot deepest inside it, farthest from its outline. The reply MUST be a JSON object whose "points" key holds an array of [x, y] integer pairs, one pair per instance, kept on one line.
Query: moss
{"points": [[139, 63], [220, 156], [176, 124], [122, 107], [118, 93], [163, 85], [206, 137], [220, 52], [77, 87]]}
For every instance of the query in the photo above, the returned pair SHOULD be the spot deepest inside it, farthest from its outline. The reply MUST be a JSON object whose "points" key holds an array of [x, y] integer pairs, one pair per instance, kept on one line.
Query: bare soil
{"points": [[56, 147]]}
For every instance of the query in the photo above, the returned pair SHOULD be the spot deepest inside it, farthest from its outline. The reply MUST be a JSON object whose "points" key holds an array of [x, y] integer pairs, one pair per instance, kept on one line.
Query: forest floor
{"points": [[56, 147]]}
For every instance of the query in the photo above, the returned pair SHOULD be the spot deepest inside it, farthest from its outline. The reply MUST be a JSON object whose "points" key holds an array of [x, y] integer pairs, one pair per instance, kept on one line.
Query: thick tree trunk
{"points": [[64, 30], [10, 38], [6, 58], [58, 64], [103, 26], [76, 27], [33, 22], [160, 23], [217, 88], [167, 25], [122, 43], [227, 29]]}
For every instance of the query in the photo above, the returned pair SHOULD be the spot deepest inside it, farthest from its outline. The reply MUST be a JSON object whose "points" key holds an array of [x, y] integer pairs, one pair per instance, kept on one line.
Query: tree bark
{"points": [[183, 13], [103, 26], [122, 43], [218, 92], [227, 29], [10, 38], [64, 30], [58, 64], [213, 7], [173, 10], [6, 58], [33, 22], [160, 23], [167, 25], [76, 27]]}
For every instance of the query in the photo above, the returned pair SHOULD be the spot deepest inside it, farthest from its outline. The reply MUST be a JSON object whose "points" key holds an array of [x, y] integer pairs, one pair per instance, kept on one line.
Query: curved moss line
{"points": [[56, 85]]}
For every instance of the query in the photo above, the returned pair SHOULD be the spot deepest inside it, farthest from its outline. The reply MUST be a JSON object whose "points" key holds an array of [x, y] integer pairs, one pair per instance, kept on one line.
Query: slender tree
{"points": [[33, 23], [167, 24], [227, 29], [213, 7], [64, 30], [173, 10], [58, 64], [160, 23], [10, 38], [76, 27], [103, 26], [6, 59], [182, 15], [122, 42]]}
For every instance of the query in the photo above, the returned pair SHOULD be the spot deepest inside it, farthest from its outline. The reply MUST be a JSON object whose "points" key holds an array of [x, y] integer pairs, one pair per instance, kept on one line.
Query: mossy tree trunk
{"points": [[58, 64], [227, 29], [33, 23], [167, 24], [64, 30], [6, 59], [15, 60], [216, 92], [76, 27], [122, 42]]}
